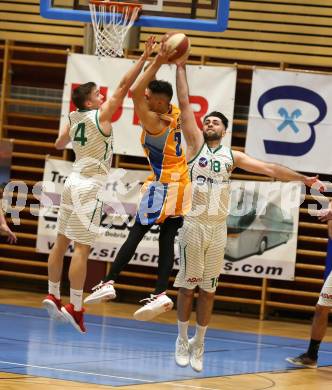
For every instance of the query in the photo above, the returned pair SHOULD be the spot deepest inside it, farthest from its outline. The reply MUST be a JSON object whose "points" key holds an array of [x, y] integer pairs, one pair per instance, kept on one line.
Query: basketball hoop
{"points": [[111, 21]]}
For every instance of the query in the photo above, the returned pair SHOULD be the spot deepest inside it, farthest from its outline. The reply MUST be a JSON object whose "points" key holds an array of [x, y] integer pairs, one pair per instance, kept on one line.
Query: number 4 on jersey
{"points": [[80, 134]]}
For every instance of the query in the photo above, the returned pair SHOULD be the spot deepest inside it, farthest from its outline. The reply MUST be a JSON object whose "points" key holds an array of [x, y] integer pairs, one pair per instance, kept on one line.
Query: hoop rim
{"points": [[119, 4]]}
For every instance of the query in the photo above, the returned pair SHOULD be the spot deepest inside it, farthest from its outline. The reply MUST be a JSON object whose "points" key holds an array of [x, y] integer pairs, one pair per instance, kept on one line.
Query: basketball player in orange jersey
{"points": [[166, 193], [90, 131]]}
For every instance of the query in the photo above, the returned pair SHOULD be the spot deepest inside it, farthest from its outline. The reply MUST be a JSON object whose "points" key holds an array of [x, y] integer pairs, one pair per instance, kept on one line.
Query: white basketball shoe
{"points": [[154, 306], [182, 354], [103, 291], [196, 355]]}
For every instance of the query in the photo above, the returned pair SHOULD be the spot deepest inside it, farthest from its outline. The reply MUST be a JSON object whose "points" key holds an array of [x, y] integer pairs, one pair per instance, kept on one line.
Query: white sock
{"points": [[183, 329], [54, 289], [76, 297], [200, 334]]}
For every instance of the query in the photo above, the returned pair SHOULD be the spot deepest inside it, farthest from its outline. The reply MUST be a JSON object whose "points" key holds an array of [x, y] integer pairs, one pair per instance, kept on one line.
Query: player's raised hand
{"points": [[181, 63], [165, 52], [150, 44], [314, 182], [324, 215]]}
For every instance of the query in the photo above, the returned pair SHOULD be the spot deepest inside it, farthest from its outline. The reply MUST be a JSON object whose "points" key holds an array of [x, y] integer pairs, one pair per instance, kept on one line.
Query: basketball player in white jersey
{"points": [[320, 321], [202, 238], [89, 129]]}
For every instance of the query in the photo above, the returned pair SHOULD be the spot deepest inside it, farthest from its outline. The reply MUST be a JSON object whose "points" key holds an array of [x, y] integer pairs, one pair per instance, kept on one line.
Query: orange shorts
{"points": [[162, 200]]}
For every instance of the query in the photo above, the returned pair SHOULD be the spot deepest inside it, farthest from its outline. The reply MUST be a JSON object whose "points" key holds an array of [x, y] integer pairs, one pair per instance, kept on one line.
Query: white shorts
{"points": [[325, 296], [202, 250], [80, 210]]}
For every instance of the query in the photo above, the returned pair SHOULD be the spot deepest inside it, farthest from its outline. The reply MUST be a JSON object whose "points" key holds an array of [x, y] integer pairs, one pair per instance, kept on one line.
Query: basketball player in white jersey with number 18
{"points": [[202, 238], [89, 129]]}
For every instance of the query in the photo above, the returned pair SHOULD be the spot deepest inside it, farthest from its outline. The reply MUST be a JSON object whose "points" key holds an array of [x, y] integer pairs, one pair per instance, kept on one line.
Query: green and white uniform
{"points": [[80, 209], [202, 239]]}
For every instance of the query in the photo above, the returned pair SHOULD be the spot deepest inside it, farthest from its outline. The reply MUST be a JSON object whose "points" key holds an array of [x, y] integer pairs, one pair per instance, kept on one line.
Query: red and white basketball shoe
{"points": [[53, 307], [76, 318]]}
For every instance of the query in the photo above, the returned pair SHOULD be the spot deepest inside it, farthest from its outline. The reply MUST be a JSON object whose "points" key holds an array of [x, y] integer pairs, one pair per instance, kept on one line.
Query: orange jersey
{"points": [[164, 150], [167, 190]]}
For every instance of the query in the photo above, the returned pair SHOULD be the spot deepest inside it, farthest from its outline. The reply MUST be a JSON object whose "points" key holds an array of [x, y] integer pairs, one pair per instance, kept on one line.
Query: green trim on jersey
{"points": [[106, 150], [69, 120], [215, 150], [191, 172], [101, 212], [184, 249], [232, 155], [86, 110], [93, 214], [194, 158], [98, 126]]}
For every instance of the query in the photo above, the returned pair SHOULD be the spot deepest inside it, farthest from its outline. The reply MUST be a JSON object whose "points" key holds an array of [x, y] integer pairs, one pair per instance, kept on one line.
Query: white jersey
{"points": [[210, 174], [93, 149]]}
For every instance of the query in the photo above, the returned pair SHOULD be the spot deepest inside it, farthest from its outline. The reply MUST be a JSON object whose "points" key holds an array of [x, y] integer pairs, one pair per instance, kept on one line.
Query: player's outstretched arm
{"points": [[325, 215], [149, 119], [192, 133], [63, 138], [12, 239], [276, 171], [114, 102]]}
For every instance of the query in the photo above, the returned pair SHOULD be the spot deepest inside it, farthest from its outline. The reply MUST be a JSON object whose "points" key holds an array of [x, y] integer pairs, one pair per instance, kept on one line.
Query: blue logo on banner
{"points": [[291, 92], [289, 119]]}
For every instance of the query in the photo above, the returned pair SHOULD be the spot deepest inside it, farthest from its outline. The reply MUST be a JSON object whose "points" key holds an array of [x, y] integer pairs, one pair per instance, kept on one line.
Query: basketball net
{"points": [[111, 21]]}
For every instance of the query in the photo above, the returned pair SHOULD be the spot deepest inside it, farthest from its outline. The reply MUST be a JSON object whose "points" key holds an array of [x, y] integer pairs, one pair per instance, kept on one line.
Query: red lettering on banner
{"points": [[72, 107], [204, 105], [326, 296], [200, 100], [117, 114]]}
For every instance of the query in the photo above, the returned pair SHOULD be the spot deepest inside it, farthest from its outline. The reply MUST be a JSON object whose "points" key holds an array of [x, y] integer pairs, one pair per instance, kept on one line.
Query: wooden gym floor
{"points": [[278, 377]]}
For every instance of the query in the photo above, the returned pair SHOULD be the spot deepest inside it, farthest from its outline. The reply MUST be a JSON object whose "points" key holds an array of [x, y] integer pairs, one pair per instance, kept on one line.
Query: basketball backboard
{"points": [[201, 15]]}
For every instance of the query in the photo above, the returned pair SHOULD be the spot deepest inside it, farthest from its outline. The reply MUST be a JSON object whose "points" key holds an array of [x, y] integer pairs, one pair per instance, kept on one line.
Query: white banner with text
{"points": [[211, 88], [262, 222]]}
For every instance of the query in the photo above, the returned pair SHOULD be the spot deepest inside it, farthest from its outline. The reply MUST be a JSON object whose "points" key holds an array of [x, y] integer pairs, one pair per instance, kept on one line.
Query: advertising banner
{"points": [[211, 88], [262, 222], [289, 120], [262, 229]]}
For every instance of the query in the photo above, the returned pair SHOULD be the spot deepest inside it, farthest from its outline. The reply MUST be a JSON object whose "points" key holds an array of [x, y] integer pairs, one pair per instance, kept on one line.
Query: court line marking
{"points": [[75, 371], [131, 328], [105, 375], [190, 386], [259, 344], [320, 350], [266, 344]]}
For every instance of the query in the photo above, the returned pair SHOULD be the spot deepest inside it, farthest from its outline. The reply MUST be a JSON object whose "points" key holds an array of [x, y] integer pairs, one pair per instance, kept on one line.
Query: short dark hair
{"points": [[81, 94], [162, 87], [219, 115]]}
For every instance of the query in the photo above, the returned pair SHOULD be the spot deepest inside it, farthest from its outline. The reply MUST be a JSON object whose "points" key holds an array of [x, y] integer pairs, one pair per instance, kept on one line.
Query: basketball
{"points": [[179, 42]]}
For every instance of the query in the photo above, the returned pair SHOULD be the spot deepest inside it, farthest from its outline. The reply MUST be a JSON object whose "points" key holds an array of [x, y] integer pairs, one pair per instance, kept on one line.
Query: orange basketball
{"points": [[179, 42]]}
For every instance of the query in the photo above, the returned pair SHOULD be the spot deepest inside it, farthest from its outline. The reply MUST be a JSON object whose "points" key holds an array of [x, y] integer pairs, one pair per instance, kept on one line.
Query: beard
{"points": [[212, 136]]}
